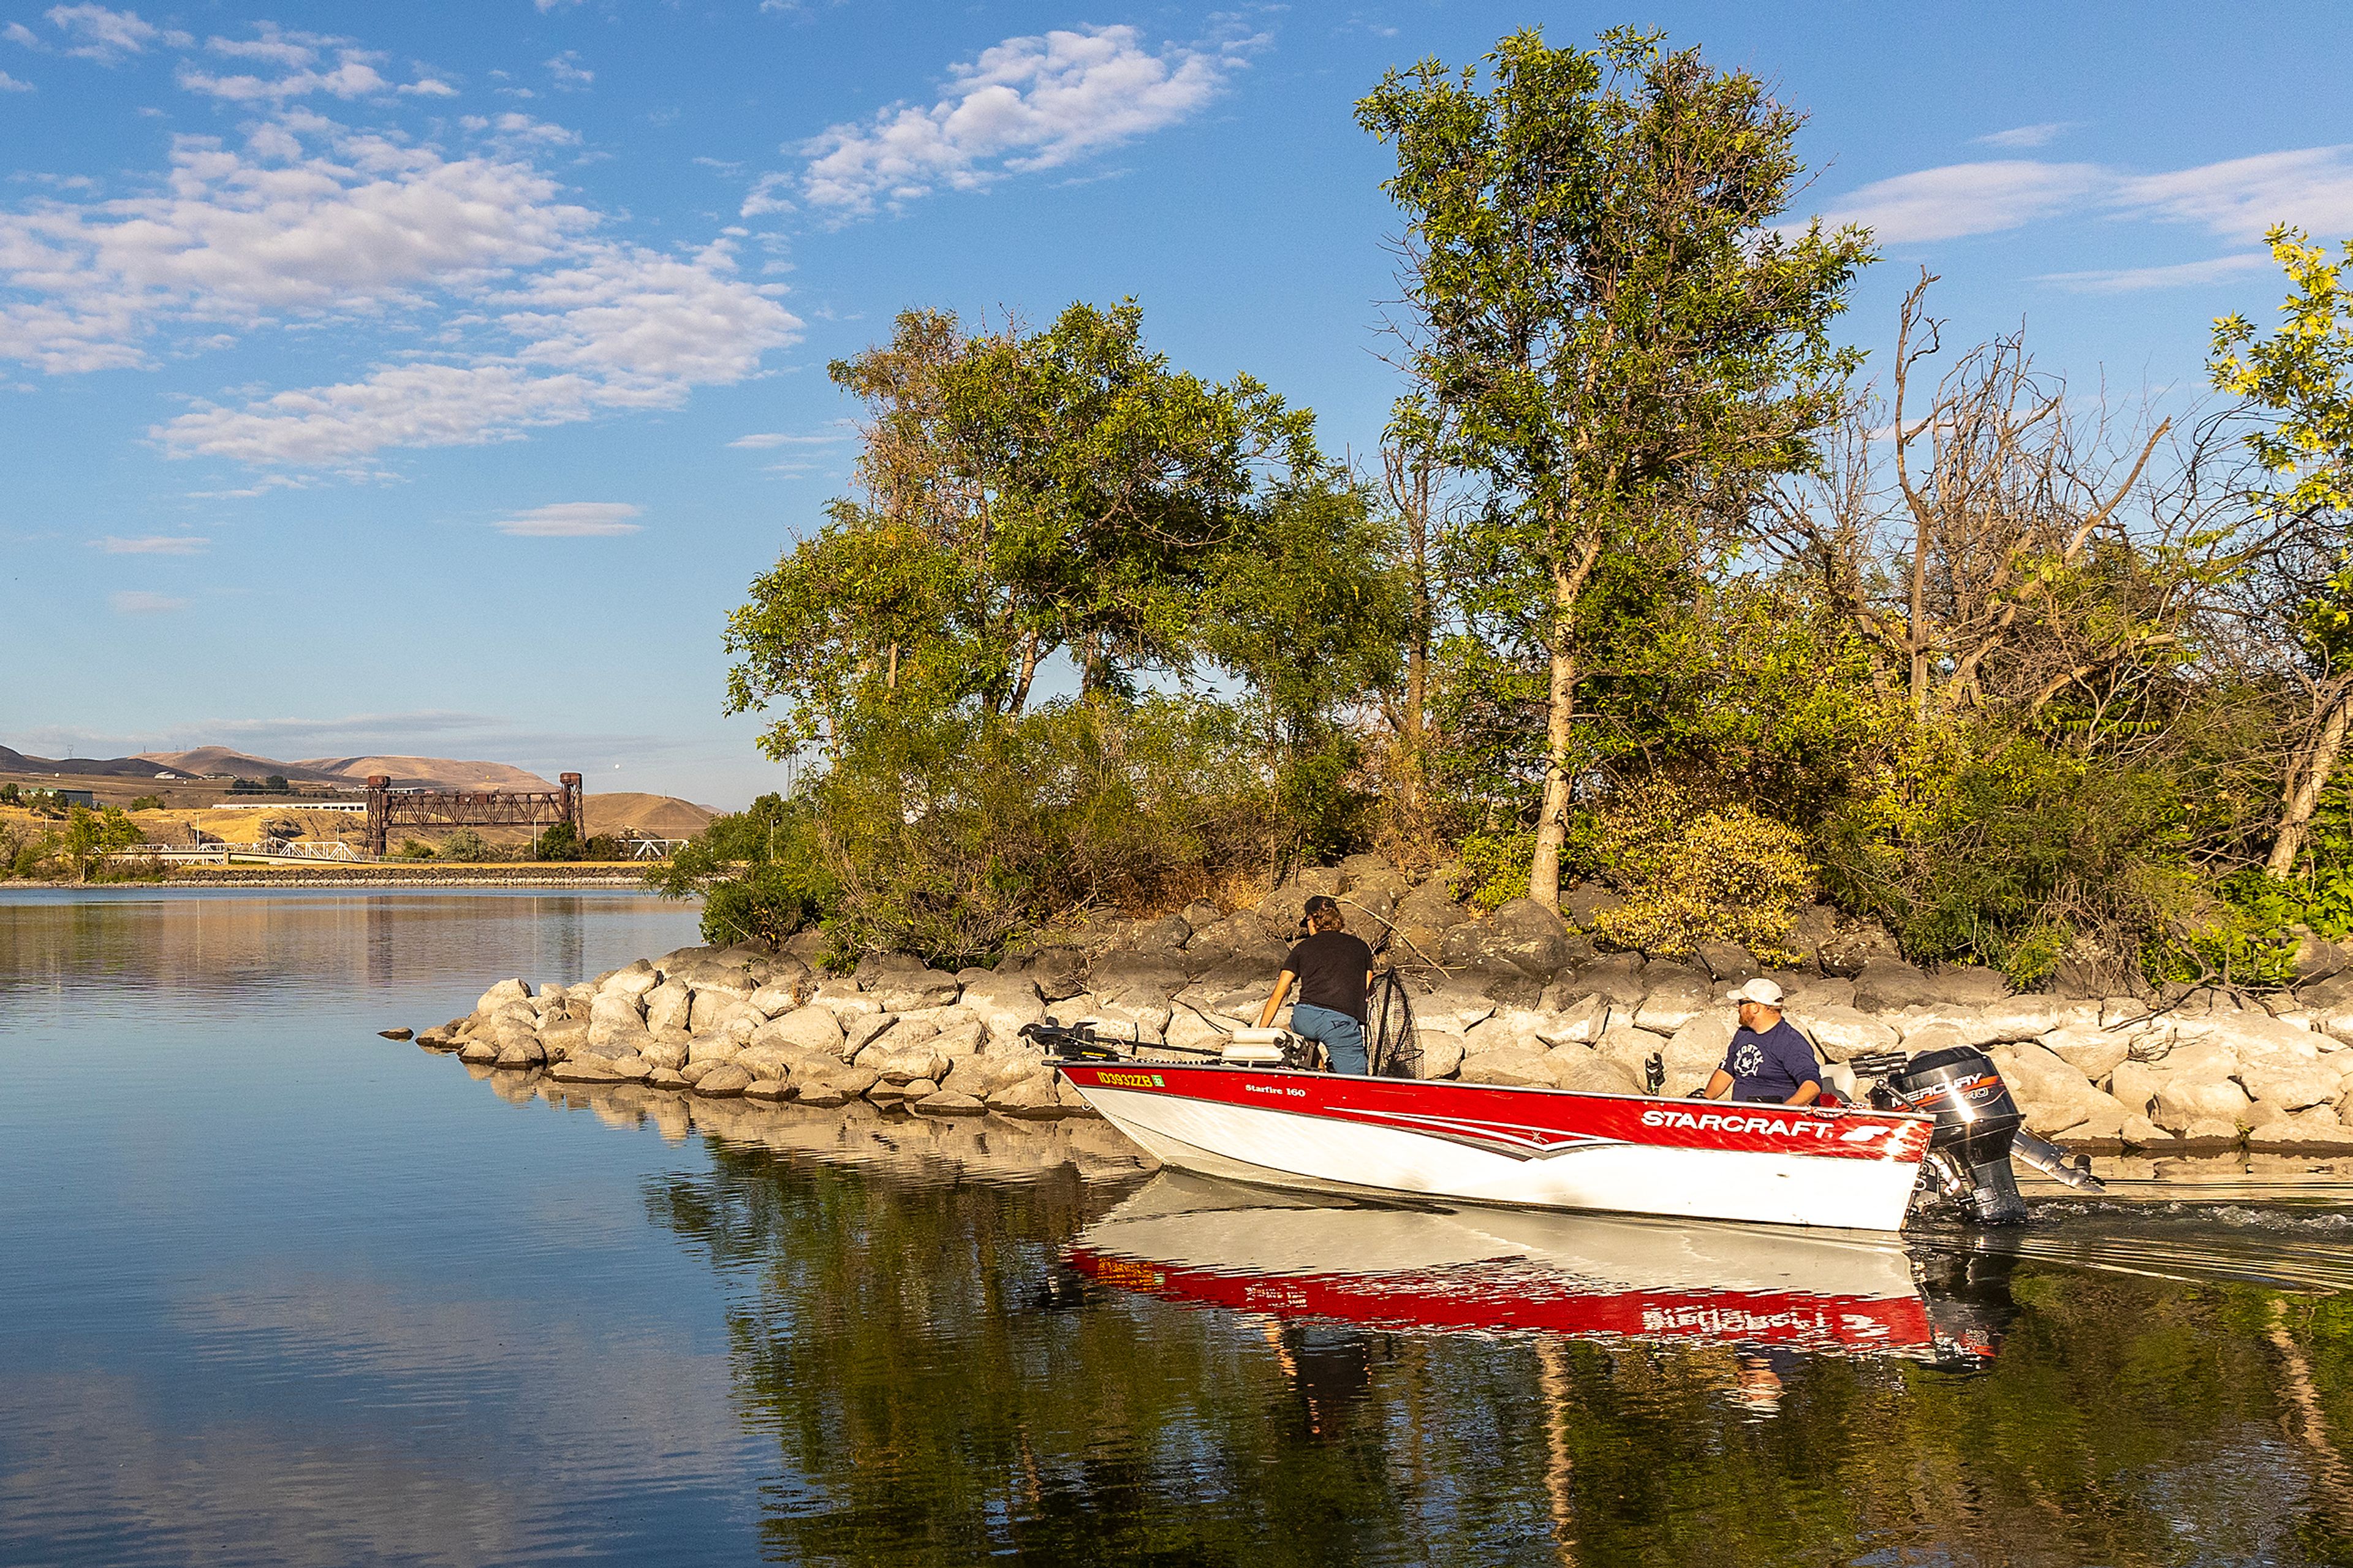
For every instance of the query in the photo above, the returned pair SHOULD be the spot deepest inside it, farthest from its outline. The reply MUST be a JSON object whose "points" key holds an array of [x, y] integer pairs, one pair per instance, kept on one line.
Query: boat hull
{"points": [[1539, 1148]]}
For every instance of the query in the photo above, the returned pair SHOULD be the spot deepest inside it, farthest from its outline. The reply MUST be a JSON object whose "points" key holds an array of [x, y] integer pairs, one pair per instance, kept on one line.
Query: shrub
{"points": [[414, 849], [1692, 875], [601, 847], [466, 845], [146, 802], [1495, 867], [559, 841], [759, 872]]}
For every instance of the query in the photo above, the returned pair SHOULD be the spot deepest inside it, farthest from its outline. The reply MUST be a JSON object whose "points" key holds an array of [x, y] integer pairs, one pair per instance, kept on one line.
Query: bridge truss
{"points": [[388, 808]]}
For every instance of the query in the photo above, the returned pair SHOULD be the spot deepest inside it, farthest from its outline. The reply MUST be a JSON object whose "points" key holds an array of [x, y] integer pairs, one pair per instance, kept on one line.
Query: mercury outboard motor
{"points": [[1976, 1121]]}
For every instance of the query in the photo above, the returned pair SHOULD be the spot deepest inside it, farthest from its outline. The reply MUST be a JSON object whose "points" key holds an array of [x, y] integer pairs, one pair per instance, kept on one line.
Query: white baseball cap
{"points": [[1760, 991]]}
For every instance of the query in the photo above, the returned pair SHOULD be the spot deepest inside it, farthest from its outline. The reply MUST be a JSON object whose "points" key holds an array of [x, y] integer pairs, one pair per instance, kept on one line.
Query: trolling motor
{"points": [[1978, 1129]]}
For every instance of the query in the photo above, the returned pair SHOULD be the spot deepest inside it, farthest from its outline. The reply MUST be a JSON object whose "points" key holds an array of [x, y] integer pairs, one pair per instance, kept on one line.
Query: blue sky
{"points": [[433, 378]]}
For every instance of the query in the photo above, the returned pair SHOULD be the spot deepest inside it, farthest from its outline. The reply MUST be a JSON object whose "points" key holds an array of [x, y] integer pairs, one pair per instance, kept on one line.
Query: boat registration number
{"points": [[1131, 1079]]}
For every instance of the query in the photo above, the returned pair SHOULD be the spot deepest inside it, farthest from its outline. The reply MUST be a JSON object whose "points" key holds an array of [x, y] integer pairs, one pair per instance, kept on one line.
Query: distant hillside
{"points": [[14, 762], [656, 816], [217, 759], [438, 773]]}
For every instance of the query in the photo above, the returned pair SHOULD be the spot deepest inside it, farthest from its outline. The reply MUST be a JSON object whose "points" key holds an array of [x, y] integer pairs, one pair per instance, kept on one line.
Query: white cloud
{"points": [[573, 519], [1025, 104], [766, 196], [10, 84], [621, 327], [2134, 279], [137, 602], [766, 439], [154, 544], [95, 32], [2018, 138], [2237, 199], [17, 33], [547, 6], [1967, 198], [358, 225], [569, 73], [428, 87]]}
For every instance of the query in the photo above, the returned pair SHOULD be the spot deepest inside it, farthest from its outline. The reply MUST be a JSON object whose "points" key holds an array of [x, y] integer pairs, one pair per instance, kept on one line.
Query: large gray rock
{"points": [[907, 991], [863, 1029], [1841, 1034], [1670, 1006], [1589, 1072], [1137, 979], [713, 1048], [1441, 1053], [711, 1002], [1005, 1004], [668, 1005], [1580, 1023], [522, 1053], [904, 1064], [2290, 1084], [811, 1028], [564, 1037], [1585, 902], [665, 1055], [1034, 1098], [1890, 985], [501, 994], [1522, 935], [632, 982], [724, 1081], [2091, 1051], [1728, 963], [1617, 975], [1452, 1008], [1494, 1034], [1521, 1064]]}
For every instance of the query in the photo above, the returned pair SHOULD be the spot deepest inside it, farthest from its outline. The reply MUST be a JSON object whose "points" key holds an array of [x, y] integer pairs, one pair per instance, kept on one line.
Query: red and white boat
{"points": [[1488, 1271], [1849, 1168]]}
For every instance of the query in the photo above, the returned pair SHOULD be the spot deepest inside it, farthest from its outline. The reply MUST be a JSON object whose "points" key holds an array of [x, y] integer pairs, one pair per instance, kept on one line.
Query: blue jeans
{"points": [[1341, 1035]]}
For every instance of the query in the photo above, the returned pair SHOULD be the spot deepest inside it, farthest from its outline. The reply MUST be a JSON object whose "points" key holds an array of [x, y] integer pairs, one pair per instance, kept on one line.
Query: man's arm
{"points": [[1807, 1092], [1719, 1085], [1274, 1003]]}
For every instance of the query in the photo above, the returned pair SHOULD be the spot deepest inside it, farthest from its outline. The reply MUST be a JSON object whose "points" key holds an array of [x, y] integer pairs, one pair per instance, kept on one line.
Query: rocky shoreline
{"points": [[1518, 997]]}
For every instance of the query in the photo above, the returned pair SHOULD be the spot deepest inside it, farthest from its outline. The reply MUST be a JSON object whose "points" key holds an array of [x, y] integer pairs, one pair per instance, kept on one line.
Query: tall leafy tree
{"points": [[1611, 328], [1024, 495], [2302, 377]]}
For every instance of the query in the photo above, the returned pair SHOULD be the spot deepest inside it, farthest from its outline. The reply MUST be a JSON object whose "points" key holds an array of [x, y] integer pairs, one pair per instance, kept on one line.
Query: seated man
{"points": [[1768, 1060], [1335, 972]]}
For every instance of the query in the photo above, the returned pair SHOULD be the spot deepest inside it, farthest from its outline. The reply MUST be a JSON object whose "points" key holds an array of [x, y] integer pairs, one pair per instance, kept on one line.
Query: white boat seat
{"points": [[1256, 1048]]}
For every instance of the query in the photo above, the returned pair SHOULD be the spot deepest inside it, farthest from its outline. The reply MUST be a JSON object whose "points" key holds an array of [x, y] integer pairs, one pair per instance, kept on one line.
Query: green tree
{"points": [[559, 841], [466, 845], [1610, 328], [1064, 492], [91, 838], [2302, 377], [758, 872]]}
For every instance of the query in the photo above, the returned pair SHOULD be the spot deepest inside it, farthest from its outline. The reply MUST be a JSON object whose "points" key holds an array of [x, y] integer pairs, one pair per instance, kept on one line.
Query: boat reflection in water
{"points": [[1768, 1294]]}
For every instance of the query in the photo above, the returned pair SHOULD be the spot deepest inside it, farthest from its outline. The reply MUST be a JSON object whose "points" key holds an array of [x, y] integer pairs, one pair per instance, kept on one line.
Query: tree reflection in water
{"points": [[942, 1386]]}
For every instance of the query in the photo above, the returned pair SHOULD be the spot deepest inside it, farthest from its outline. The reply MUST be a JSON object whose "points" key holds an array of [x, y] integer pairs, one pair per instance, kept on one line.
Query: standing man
{"points": [[1768, 1060], [1335, 972]]}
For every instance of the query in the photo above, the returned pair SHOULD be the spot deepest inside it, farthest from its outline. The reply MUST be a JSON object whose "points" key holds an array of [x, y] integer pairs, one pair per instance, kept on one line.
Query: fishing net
{"points": [[1395, 1043]]}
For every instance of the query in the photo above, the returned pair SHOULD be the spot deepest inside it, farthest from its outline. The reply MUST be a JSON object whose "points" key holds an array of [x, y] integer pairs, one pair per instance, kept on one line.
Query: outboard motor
{"points": [[1976, 1121]]}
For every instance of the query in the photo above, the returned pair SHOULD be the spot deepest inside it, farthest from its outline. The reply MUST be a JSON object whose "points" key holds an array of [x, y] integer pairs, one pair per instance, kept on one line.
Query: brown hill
{"points": [[213, 760], [441, 773], [436, 772], [659, 815]]}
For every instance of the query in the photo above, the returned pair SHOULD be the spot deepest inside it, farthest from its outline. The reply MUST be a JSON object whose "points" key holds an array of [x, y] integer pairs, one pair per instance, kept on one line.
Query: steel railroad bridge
{"points": [[388, 808]]}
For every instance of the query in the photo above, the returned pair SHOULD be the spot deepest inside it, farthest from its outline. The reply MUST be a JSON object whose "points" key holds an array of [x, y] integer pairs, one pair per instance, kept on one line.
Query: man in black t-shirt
{"points": [[1335, 972], [1768, 1060]]}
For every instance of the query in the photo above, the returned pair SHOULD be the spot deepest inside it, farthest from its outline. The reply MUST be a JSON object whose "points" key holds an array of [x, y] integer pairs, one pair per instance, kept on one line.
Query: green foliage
{"points": [[1065, 492], [2012, 855], [465, 847], [2304, 373], [760, 872], [1694, 874], [146, 802], [559, 841], [10, 795], [1495, 867], [961, 842], [412, 850], [601, 847], [1615, 333], [92, 838]]}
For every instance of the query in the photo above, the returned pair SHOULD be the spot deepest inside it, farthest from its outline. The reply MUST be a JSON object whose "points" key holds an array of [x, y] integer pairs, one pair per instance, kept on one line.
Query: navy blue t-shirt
{"points": [[1771, 1066]]}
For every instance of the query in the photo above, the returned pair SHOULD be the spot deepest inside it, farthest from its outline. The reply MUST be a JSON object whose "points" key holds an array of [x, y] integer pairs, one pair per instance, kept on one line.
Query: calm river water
{"points": [[273, 1290]]}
